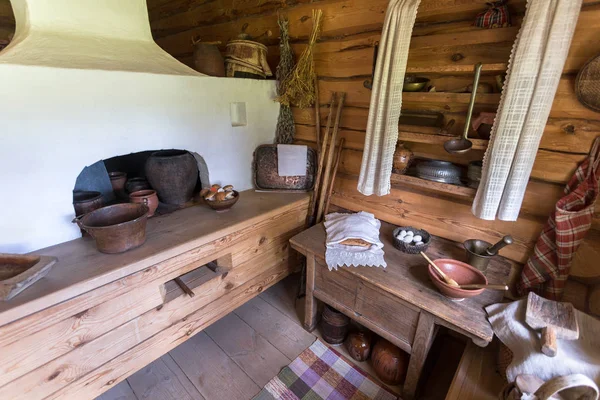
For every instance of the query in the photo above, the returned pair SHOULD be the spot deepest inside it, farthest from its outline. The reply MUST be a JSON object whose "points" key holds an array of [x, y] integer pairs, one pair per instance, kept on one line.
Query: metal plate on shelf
{"points": [[439, 171], [267, 178]]}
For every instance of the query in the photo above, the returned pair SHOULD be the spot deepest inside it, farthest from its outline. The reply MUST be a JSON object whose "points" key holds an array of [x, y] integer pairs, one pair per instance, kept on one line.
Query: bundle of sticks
{"points": [[327, 168]]}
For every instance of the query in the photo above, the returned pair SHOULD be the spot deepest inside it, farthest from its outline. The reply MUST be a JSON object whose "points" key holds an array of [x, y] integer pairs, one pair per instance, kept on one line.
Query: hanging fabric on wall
{"points": [[534, 71], [386, 98], [548, 268]]}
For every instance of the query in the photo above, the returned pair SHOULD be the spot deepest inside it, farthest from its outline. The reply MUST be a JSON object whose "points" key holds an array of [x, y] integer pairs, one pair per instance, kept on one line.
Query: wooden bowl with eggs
{"points": [[404, 239], [220, 198]]}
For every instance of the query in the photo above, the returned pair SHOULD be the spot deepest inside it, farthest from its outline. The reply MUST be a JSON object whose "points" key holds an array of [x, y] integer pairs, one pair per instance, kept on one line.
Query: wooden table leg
{"points": [[310, 309], [423, 339]]}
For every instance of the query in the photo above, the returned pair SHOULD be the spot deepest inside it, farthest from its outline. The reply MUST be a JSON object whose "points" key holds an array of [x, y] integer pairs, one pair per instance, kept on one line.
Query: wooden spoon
{"points": [[482, 286], [441, 273]]}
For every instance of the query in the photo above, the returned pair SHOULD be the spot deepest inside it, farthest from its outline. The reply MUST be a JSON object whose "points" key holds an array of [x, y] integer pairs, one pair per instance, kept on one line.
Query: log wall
{"points": [[444, 48]]}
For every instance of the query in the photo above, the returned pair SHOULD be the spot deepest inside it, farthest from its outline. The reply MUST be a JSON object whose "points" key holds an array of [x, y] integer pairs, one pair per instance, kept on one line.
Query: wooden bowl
{"points": [[462, 273], [224, 205]]}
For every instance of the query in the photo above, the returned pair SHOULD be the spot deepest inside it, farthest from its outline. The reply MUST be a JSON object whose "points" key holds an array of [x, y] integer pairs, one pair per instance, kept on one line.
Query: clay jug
{"points": [[146, 197], [208, 59], [358, 345], [173, 174], [389, 362], [402, 159], [117, 181]]}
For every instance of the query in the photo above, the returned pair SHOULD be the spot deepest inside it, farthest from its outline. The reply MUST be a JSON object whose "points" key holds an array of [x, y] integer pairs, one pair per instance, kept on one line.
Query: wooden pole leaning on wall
{"points": [[336, 164], [321, 154], [327, 172], [317, 113]]}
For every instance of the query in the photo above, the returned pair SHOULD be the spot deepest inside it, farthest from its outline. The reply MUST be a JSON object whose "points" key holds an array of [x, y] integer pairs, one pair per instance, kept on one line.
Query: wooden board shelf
{"points": [[415, 137], [491, 67], [439, 187]]}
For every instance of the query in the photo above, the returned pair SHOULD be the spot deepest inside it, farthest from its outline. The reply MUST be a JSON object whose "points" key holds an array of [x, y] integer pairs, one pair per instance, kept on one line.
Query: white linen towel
{"points": [[580, 356], [362, 225], [291, 159]]}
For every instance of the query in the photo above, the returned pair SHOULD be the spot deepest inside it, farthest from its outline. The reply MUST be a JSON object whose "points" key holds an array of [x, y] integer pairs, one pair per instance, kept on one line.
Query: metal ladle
{"points": [[462, 145]]}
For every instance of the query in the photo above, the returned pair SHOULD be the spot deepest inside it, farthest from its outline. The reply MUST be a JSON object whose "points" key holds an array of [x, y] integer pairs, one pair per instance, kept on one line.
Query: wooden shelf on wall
{"points": [[438, 187], [498, 67], [415, 137]]}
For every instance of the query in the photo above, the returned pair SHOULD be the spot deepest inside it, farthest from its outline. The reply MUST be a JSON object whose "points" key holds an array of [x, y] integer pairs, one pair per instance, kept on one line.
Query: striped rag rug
{"points": [[320, 372]]}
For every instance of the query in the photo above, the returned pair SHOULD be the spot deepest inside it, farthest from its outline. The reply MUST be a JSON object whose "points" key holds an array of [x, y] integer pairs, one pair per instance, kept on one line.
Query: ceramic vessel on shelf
{"points": [[334, 325], [208, 59], [463, 274], [147, 197], [136, 184], [117, 181], [389, 362], [402, 159], [358, 344], [173, 174], [85, 202]]}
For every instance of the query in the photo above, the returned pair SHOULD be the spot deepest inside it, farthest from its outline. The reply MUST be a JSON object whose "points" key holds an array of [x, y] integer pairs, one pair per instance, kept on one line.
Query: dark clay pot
{"points": [[173, 174], [358, 345], [85, 202], [137, 184], [117, 181], [334, 325], [389, 362]]}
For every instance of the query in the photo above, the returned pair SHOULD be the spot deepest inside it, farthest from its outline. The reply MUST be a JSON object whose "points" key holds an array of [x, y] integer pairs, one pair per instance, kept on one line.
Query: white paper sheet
{"points": [[291, 160]]}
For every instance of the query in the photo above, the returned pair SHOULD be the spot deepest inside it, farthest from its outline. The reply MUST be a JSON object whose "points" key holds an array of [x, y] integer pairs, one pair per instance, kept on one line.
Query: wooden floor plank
{"points": [[282, 332], [283, 297], [213, 373], [163, 380], [258, 358], [120, 392]]}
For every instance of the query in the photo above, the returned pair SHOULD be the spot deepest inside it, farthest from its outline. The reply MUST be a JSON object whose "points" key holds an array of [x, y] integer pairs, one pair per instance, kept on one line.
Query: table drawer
{"points": [[339, 285], [386, 311]]}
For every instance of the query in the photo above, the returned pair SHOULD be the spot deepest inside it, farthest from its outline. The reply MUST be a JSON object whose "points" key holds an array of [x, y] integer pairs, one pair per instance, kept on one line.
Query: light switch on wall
{"points": [[238, 114]]}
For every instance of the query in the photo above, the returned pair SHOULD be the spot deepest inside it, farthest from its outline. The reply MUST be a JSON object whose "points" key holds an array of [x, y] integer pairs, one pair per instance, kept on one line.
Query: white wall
{"points": [[55, 121]]}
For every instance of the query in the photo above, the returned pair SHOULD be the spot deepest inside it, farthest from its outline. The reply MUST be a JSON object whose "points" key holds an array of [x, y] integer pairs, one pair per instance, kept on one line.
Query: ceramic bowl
{"points": [[224, 205], [462, 273]]}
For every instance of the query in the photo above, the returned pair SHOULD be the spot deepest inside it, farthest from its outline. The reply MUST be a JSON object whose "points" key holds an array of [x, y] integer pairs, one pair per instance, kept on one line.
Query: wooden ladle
{"points": [[482, 286], [441, 273]]}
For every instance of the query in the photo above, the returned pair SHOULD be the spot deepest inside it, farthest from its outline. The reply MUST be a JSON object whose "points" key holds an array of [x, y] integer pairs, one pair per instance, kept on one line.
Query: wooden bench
{"points": [[98, 318]]}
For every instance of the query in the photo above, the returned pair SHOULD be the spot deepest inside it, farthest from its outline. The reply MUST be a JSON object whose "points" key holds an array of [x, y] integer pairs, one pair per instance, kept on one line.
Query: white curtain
{"points": [[534, 72], [386, 97]]}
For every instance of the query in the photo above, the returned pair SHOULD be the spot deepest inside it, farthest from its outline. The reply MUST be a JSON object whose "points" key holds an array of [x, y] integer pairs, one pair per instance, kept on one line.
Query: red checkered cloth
{"points": [[547, 269], [496, 16]]}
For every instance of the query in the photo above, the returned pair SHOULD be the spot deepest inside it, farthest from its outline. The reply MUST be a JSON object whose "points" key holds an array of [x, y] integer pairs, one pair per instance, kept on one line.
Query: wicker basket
{"points": [[411, 248]]}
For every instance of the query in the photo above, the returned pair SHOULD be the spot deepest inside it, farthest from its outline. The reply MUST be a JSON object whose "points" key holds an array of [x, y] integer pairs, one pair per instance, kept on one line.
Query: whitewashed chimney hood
{"points": [[88, 34]]}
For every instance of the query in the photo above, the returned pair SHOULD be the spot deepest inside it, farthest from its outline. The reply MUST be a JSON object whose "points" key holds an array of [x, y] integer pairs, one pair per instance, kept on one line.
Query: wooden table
{"points": [[398, 303], [97, 318]]}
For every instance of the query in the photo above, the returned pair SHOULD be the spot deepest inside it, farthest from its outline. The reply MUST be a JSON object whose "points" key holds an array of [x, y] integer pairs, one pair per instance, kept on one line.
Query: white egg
{"points": [[418, 243], [417, 238], [403, 233], [410, 233], [407, 239]]}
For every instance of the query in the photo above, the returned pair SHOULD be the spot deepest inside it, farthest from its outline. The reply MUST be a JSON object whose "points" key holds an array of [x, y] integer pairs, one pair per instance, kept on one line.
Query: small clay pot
{"points": [[358, 345], [146, 197], [137, 184], [86, 202], [402, 159], [334, 325], [389, 362], [117, 180]]}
